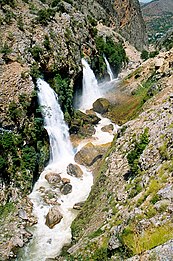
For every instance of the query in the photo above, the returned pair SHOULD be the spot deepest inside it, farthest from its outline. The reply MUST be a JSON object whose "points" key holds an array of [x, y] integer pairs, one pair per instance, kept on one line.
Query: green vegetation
{"points": [[6, 209], [24, 150], [36, 52], [150, 238], [114, 52], [20, 23], [131, 105], [5, 50], [145, 54], [134, 155], [65, 94], [11, 3], [45, 15]]}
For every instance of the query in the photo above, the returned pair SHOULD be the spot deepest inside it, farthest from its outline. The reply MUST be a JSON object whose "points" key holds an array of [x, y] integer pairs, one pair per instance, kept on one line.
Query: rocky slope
{"points": [[47, 39], [128, 215]]}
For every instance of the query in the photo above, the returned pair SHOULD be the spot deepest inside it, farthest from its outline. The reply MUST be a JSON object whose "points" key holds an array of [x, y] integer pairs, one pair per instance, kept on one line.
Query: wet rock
{"points": [[53, 217], [65, 180], [66, 189], [79, 205], [74, 170], [108, 128], [89, 154], [53, 178], [101, 105]]}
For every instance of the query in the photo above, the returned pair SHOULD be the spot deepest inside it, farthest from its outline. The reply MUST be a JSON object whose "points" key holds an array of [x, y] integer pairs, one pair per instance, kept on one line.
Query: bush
{"points": [[44, 15], [144, 55], [5, 50], [134, 155], [65, 94], [114, 52], [36, 52]]}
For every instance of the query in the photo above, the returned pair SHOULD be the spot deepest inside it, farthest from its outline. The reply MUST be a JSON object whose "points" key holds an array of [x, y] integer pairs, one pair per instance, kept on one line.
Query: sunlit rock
{"points": [[53, 217], [74, 170], [53, 178]]}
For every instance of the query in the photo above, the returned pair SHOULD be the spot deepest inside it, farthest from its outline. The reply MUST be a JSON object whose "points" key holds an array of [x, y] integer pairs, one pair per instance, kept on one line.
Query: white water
{"points": [[48, 242], [90, 88], [109, 71]]}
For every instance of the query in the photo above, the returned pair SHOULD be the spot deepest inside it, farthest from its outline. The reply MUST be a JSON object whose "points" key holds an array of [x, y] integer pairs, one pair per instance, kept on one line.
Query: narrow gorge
{"points": [[86, 156]]}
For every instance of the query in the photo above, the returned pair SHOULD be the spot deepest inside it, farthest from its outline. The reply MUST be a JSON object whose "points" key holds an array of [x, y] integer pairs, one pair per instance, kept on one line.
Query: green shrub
{"points": [[20, 23], [11, 3], [5, 50], [45, 15], [36, 52], [9, 15], [55, 3], [134, 155], [65, 94], [46, 42], [114, 52], [144, 55]]}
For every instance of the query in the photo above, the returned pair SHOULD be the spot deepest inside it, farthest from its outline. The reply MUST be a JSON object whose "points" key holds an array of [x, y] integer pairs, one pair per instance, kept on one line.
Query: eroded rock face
{"points": [[74, 170], [101, 105], [53, 217], [89, 154], [53, 178]]}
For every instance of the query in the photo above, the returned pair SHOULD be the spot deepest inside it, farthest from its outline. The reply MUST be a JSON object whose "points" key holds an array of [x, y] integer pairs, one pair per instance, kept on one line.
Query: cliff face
{"points": [[127, 18]]}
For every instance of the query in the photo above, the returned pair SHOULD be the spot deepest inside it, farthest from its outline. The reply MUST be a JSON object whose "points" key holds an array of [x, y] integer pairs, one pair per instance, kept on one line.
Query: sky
{"points": [[145, 1]]}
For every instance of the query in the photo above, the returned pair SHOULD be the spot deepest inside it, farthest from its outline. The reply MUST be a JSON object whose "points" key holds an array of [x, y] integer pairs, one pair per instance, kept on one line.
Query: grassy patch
{"points": [[6, 210], [150, 238], [130, 105]]}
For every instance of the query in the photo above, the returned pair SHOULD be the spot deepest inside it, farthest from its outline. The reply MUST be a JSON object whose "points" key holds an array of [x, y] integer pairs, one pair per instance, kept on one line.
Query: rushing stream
{"points": [[46, 242]]}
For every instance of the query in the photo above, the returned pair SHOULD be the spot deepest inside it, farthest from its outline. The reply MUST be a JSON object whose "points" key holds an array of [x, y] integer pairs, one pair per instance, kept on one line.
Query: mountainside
{"points": [[128, 215], [47, 39], [158, 16]]}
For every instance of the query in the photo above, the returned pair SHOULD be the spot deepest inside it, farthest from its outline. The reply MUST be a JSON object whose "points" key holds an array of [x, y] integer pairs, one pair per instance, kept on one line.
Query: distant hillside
{"points": [[158, 16]]}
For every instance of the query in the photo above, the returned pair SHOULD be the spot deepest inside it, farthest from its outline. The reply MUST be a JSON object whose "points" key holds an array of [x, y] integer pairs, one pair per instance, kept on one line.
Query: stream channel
{"points": [[48, 242]]}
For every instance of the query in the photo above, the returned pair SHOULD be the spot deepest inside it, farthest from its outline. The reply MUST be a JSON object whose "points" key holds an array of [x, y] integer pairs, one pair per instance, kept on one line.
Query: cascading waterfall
{"points": [[60, 146], [90, 88], [46, 242], [109, 71]]}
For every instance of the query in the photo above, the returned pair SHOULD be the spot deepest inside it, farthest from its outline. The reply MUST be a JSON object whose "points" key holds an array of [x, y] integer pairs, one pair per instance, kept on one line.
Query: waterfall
{"points": [[46, 242], [90, 88], [109, 71], [60, 146]]}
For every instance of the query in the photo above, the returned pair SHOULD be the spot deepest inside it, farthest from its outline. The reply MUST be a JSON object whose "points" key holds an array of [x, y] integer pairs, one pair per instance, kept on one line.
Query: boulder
{"points": [[83, 123], [65, 180], [53, 217], [89, 154], [101, 105], [74, 170], [66, 188], [53, 178], [108, 128]]}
